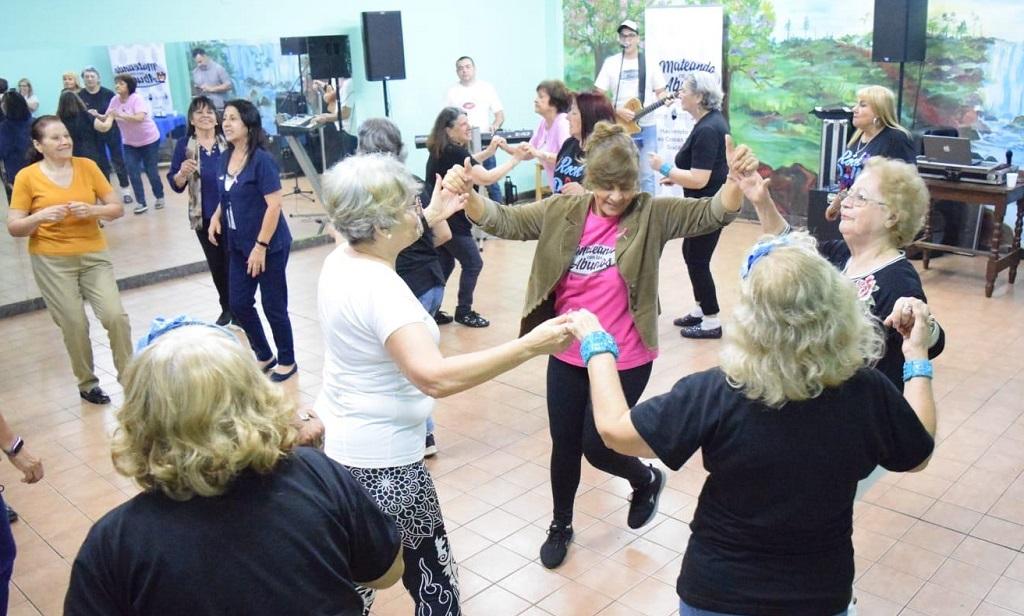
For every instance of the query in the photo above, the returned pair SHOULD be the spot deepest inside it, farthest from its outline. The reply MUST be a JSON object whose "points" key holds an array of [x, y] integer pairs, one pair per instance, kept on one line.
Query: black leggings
{"points": [[697, 253], [573, 434]]}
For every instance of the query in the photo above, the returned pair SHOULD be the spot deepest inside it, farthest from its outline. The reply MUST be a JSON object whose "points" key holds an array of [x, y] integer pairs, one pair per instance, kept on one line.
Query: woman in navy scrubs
{"points": [[258, 240]]}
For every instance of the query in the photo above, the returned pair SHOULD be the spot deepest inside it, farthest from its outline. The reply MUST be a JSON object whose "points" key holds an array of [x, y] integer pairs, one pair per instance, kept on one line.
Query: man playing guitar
{"points": [[627, 76]]}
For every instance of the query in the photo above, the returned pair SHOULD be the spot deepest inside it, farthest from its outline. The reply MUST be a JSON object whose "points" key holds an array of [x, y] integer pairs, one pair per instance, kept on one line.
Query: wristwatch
{"points": [[15, 447]]}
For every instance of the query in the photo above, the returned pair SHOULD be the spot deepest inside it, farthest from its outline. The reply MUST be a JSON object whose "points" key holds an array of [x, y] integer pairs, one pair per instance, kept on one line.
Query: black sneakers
{"points": [[643, 504], [442, 318], [471, 319], [95, 396], [430, 447], [552, 553]]}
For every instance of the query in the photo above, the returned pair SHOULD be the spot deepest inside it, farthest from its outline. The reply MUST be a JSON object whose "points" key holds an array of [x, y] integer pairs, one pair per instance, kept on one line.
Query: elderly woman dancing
{"points": [[787, 426], [880, 215], [600, 250], [383, 367], [212, 444]]}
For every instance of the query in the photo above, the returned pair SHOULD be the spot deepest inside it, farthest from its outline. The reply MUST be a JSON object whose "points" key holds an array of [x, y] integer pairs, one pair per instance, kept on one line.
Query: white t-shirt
{"points": [[373, 416], [345, 96], [608, 80], [479, 100]]}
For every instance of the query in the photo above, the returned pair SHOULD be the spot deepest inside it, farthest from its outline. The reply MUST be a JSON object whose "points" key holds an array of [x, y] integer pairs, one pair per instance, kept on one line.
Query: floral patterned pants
{"points": [[407, 494]]}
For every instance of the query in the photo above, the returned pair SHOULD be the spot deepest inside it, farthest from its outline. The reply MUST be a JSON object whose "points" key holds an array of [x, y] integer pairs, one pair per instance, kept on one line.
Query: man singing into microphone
{"points": [[629, 75]]}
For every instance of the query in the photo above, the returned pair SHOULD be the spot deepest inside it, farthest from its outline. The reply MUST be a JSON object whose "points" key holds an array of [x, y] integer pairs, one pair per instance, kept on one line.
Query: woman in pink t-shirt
{"points": [[141, 139], [600, 250], [552, 104]]}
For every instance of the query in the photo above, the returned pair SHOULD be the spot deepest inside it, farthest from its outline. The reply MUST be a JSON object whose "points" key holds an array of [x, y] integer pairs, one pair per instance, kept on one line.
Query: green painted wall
{"points": [[516, 45]]}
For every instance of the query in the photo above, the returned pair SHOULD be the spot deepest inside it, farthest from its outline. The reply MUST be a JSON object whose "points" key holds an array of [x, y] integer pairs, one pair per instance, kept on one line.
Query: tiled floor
{"points": [[945, 541]]}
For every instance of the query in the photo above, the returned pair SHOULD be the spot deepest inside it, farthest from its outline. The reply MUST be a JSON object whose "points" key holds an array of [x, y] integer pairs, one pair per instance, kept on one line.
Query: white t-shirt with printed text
{"points": [[479, 100]]}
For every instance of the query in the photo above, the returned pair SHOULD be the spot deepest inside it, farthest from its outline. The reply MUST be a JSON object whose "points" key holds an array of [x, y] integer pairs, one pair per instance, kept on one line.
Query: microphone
{"points": [[624, 46]]}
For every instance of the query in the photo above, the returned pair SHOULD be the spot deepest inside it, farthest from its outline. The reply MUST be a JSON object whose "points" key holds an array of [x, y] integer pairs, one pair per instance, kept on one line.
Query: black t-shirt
{"points": [[418, 264], [889, 143], [451, 156], [84, 137], [290, 542], [705, 149], [569, 164], [879, 290], [98, 101], [772, 529]]}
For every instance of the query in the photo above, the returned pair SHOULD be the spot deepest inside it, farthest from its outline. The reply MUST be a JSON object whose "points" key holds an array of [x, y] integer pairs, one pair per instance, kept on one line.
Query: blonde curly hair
{"points": [[198, 412], [904, 193], [798, 328]]}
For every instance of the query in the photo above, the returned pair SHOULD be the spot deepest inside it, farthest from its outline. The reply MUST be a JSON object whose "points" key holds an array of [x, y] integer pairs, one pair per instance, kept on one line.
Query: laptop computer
{"points": [[953, 150]]}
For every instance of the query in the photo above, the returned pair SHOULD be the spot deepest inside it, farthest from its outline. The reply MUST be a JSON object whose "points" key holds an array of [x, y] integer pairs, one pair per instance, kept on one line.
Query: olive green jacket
{"points": [[644, 229]]}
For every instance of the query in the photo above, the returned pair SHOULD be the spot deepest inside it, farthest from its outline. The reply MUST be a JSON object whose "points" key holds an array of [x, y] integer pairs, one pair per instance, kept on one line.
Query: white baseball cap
{"points": [[628, 23]]}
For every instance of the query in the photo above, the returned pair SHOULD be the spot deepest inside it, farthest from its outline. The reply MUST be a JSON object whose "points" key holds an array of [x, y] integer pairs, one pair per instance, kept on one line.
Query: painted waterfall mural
{"points": [[784, 57]]}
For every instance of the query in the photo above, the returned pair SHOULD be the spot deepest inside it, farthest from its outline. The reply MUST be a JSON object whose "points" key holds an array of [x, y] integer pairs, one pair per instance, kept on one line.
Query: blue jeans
{"points": [[647, 142], [492, 191], [7, 553], [143, 159], [462, 248], [687, 610], [431, 301], [273, 286]]}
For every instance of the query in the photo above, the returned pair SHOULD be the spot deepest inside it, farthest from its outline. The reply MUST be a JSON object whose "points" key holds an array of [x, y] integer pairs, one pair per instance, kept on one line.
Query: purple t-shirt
{"points": [[135, 134], [550, 139], [594, 282]]}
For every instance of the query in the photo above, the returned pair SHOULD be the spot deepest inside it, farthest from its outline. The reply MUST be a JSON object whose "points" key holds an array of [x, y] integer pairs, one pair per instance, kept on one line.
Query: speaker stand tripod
{"points": [[297, 191]]}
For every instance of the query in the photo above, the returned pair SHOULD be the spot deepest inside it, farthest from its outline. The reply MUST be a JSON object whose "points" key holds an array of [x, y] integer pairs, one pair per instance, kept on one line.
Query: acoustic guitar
{"points": [[637, 107]]}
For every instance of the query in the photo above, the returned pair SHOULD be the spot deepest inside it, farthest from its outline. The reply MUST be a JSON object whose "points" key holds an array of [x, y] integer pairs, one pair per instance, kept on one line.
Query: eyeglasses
{"points": [[415, 206], [856, 199], [628, 35]]}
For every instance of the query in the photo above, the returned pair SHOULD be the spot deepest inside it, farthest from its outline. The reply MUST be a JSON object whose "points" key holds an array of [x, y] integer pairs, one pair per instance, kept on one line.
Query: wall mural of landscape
{"points": [[785, 57]]}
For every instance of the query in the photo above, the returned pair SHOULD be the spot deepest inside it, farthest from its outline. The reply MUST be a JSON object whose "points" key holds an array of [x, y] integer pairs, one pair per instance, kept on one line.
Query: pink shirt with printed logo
{"points": [[135, 134], [594, 282]]}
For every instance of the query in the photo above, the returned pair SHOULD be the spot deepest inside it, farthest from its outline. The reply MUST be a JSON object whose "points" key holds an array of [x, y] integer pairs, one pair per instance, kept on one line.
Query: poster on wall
{"points": [[700, 49], [147, 63]]}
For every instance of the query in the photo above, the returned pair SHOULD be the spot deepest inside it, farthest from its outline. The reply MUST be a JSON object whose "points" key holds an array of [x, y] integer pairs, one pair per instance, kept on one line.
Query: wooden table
{"points": [[979, 194]]}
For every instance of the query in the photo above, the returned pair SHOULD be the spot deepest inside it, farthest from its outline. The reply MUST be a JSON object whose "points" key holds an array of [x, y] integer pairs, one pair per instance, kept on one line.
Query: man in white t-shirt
{"points": [[483, 108], [620, 78]]}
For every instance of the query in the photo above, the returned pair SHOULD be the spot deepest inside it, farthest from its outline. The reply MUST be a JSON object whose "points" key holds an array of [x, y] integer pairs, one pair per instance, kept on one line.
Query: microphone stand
{"points": [[618, 80]]}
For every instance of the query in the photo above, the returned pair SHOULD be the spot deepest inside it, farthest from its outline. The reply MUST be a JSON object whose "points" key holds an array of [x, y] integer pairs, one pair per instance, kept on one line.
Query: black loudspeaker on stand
{"points": [[383, 49], [899, 36], [329, 57]]}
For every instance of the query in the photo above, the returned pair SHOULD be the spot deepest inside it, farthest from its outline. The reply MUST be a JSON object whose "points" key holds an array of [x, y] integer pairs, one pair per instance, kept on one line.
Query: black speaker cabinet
{"points": [[329, 56], [383, 47], [293, 45], [899, 30], [822, 229]]}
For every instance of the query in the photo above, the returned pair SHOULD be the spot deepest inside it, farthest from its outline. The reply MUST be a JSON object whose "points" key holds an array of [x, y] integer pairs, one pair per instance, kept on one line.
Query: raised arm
{"points": [[911, 318], [755, 189], [524, 222]]}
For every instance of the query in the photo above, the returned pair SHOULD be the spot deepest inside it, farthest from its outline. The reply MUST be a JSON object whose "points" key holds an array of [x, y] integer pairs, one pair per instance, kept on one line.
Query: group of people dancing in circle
{"points": [[825, 368]]}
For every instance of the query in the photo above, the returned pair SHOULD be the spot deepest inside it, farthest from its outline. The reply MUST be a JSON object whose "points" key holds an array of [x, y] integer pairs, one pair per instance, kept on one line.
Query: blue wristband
{"points": [[665, 169], [596, 343], [917, 367]]}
